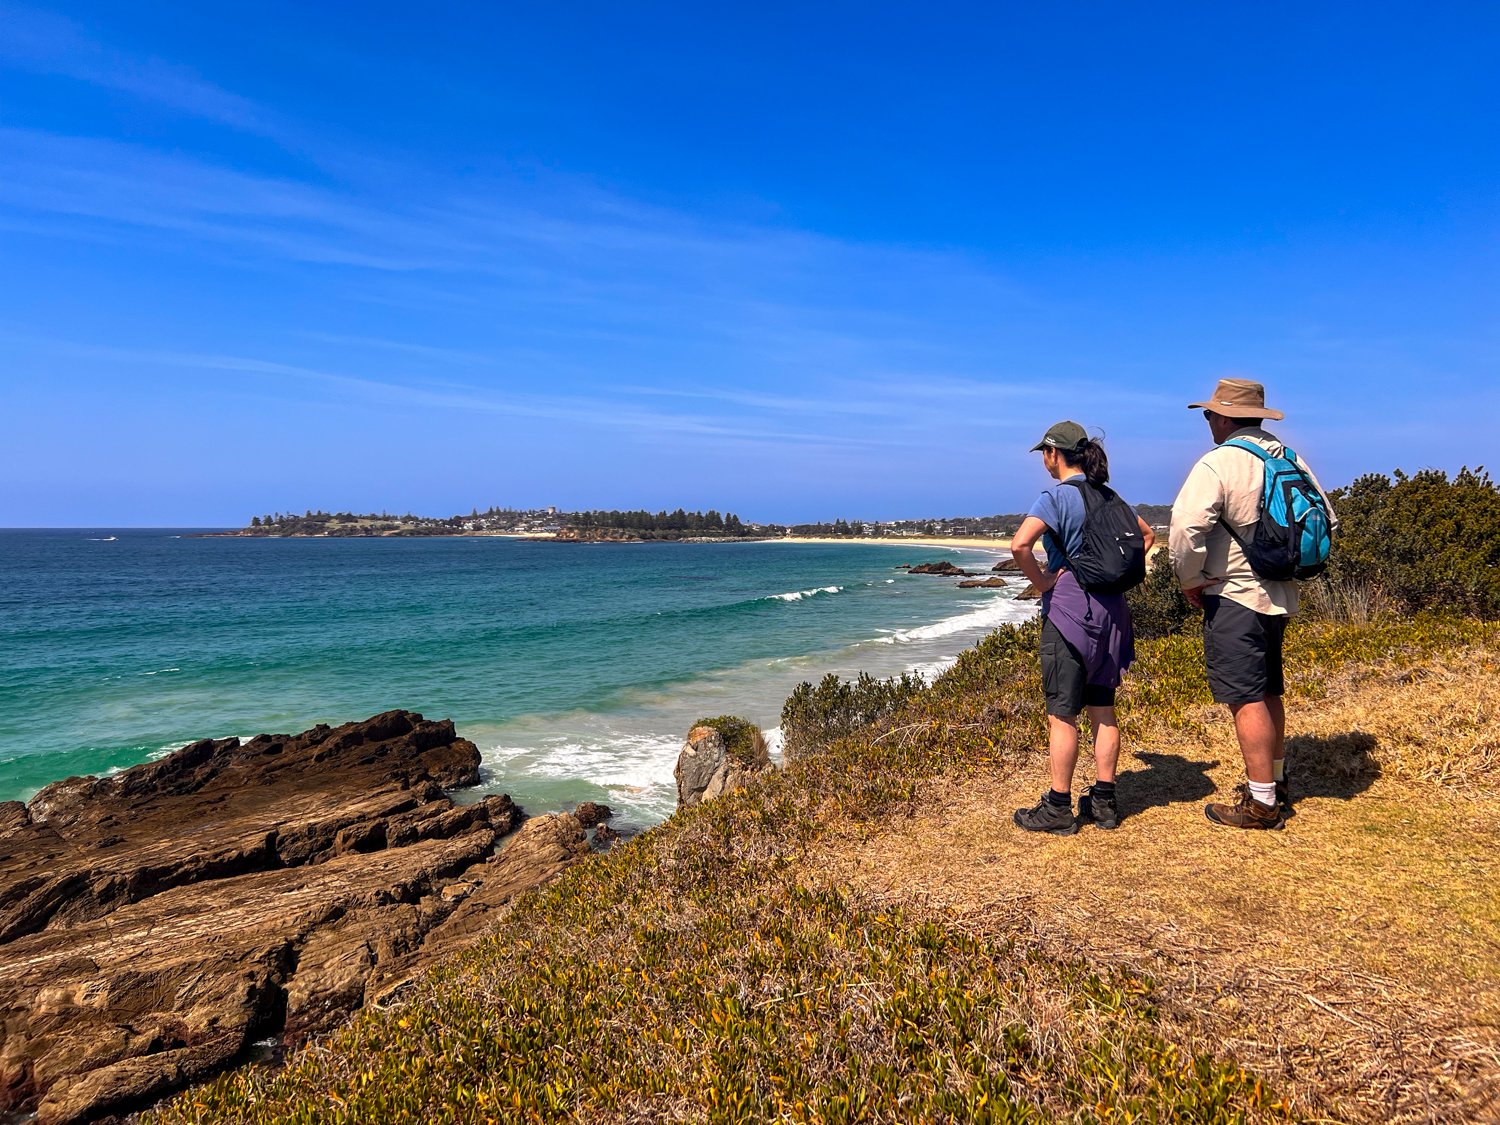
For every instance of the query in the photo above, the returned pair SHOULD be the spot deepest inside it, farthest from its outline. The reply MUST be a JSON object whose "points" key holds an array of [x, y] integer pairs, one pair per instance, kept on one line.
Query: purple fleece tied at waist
{"points": [[1097, 625]]}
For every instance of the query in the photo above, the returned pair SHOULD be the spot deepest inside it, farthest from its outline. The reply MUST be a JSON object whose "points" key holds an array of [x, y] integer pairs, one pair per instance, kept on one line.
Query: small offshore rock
{"points": [[590, 813], [982, 584], [944, 569]]}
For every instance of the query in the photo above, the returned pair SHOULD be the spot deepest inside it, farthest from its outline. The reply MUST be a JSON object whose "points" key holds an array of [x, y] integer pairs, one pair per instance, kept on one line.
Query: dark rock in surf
{"points": [[589, 813], [945, 569]]}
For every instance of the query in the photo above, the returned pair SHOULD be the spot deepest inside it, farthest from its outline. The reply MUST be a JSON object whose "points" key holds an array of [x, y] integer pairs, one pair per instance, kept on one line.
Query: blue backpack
{"points": [[1293, 535]]}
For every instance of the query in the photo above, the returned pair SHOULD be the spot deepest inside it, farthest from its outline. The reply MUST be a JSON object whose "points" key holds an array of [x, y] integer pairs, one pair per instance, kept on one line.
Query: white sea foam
{"points": [[998, 611], [798, 595], [161, 671], [930, 670], [634, 769]]}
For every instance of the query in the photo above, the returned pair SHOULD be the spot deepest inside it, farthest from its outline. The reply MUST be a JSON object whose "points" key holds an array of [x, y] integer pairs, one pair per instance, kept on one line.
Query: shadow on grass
{"points": [[1168, 779], [1340, 765]]}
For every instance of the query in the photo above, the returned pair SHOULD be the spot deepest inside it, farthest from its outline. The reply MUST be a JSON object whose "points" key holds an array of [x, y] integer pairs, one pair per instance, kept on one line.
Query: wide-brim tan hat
{"points": [[1239, 398]]}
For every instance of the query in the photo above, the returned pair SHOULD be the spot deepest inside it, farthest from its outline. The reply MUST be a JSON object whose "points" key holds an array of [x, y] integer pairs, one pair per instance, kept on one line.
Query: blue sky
{"points": [[795, 261]]}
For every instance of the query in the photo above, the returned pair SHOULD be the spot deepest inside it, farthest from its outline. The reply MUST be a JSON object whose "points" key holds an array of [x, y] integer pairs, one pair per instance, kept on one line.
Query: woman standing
{"points": [[1087, 640]]}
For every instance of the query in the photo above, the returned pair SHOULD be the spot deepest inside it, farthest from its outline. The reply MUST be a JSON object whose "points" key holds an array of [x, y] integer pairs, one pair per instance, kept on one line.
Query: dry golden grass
{"points": [[1353, 959]]}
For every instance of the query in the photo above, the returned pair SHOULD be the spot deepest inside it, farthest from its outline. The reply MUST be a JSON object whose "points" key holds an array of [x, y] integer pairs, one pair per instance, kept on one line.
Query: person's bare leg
{"points": [[1106, 743], [1062, 751], [1256, 728]]}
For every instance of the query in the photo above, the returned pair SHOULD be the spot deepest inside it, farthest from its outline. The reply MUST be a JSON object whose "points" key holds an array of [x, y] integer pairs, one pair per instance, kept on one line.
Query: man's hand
{"points": [[1049, 580], [1195, 596]]}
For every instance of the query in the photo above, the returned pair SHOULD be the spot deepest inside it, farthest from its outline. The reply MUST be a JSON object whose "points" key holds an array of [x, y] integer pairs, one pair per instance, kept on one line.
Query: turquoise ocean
{"points": [[575, 668]]}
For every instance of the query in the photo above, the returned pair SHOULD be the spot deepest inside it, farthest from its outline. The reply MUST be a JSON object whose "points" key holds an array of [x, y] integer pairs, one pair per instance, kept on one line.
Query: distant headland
{"points": [[633, 526]]}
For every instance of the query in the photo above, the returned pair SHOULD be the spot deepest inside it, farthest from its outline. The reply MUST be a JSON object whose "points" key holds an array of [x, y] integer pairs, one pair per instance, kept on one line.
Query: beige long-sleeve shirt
{"points": [[1225, 485]]}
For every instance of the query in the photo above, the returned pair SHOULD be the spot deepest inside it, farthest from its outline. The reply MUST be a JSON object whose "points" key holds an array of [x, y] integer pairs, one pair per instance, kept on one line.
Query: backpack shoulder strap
{"points": [[1241, 443], [1090, 500], [1264, 457]]}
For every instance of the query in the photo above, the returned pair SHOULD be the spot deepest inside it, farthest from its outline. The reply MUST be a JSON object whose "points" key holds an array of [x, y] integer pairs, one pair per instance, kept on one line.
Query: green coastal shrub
{"points": [[813, 717], [743, 740], [1157, 607], [1413, 543]]}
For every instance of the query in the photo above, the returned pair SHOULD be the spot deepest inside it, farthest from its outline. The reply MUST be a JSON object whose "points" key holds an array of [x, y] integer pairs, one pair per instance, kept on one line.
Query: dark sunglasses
{"points": [[1208, 415]]}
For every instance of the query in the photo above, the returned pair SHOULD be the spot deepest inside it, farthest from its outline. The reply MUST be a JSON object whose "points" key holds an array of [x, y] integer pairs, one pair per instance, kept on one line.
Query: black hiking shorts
{"points": [[1242, 651], [1065, 680]]}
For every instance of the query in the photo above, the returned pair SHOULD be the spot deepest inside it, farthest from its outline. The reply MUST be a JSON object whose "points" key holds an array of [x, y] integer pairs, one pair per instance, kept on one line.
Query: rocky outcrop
{"points": [[982, 584], [710, 766], [945, 568], [1007, 566], [1030, 594], [156, 923]]}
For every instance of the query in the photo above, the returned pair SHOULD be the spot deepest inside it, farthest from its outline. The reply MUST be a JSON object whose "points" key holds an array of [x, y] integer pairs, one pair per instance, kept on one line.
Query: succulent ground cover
{"points": [[863, 936]]}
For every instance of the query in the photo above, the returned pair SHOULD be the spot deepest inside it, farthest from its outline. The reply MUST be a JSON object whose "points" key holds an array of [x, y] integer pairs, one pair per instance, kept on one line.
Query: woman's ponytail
{"points": [[1093, 462]]}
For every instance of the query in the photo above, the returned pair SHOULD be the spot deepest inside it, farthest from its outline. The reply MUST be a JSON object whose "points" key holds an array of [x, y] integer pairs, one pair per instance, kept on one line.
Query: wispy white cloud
{"points": [[45, 43], [592, 411]]}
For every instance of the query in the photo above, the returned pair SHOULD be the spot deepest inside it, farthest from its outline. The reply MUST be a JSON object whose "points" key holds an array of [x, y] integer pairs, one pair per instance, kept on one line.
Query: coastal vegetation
{"points": [[1417, 542], [814, 717], [859, 938], [678, 524]]}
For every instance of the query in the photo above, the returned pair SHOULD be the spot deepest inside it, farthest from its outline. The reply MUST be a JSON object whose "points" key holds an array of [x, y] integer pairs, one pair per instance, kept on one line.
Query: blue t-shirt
{"points": [[1060, 507]]}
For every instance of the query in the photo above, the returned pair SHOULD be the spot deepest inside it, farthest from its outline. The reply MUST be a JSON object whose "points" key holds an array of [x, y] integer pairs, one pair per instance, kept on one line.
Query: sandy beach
{"points": [[973, 542]]}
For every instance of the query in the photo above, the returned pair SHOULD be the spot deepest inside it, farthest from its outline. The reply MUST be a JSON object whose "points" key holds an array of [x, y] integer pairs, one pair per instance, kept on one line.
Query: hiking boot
{"points": [[1044, 816], [1099, 808], [1246, 812]]}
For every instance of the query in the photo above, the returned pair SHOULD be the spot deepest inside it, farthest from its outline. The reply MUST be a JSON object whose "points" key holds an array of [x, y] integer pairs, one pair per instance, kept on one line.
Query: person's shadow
{"points": [[1340, 765], [1167, 779]]}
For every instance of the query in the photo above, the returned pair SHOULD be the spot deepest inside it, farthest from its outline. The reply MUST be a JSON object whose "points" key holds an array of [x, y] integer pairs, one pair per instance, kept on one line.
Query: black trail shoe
{"points": [[1044, 816], [1099, 808]]}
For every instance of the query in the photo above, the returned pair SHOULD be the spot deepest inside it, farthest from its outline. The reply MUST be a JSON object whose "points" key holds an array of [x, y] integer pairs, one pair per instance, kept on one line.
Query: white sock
{"points": [[1263, 791], [1278, 769]]}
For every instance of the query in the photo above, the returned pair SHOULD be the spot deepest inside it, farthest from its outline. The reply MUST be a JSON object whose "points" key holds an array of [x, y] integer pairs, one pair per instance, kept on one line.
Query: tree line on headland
{"points": [[636, 524]]}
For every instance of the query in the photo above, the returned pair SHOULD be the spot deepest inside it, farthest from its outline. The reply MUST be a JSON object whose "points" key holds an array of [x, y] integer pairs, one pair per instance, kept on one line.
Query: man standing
{"points": [[1244, 614]]}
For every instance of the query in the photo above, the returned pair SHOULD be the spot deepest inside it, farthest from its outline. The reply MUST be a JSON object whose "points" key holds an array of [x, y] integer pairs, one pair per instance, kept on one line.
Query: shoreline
{"points": [[971, 543], [974, 543]]}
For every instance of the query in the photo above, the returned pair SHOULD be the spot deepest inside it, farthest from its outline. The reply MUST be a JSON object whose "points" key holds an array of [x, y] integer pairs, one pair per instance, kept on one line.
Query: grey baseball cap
{"points": [[1067, 436]]}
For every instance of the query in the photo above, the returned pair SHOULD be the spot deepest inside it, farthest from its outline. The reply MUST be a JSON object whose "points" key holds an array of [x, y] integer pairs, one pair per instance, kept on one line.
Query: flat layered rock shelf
{"points": [[156, 924]]}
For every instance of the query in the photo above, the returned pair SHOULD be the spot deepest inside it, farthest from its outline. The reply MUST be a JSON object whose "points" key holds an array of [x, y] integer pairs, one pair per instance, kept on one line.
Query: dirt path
{"points": [[1352, 959]]}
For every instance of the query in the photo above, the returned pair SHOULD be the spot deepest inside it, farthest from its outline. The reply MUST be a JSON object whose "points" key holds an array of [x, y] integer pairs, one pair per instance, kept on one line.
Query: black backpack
{"points": [[1113, 556]]}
